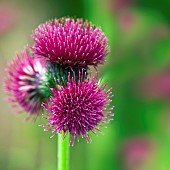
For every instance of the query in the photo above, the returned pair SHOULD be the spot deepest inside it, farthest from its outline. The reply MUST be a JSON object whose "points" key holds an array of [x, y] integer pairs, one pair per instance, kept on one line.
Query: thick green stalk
{"points": [[63, 152]]}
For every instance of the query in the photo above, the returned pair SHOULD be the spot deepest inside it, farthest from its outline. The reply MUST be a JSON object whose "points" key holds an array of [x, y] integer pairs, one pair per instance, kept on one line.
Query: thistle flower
{"points": [[24, 82], [77, 108], [71, 42]]}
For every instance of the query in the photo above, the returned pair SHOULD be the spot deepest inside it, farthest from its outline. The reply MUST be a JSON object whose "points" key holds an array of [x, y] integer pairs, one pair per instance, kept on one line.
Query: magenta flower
{"points": [[25, 75], [77, 108], [71, 42]]}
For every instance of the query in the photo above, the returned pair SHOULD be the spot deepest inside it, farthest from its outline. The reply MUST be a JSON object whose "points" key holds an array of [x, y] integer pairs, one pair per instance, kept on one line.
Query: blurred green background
{"points": [[138, 70]]}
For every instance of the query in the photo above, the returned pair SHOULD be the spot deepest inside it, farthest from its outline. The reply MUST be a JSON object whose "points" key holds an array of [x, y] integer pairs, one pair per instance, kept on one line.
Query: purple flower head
{"points": [[71, 42], [25, 75], [77, 108]]}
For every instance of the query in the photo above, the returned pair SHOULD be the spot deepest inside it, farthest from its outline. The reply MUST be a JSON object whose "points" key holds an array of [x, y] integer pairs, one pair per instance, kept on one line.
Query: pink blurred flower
{"points": [[127, 20], [23, 84], [121, 5], [8, 17], [156, 86], [136, 152]]}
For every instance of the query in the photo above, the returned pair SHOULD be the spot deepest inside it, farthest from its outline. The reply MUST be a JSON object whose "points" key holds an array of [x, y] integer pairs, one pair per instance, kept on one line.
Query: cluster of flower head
{"points": [[54, 75]]}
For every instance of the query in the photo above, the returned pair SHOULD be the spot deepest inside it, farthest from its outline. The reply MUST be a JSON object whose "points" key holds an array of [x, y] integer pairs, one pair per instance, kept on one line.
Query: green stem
{"points": [[63, 152]]}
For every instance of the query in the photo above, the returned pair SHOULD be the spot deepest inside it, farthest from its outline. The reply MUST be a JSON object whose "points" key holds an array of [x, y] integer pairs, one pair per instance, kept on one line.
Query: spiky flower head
{"points": [[24, 82], [77, 108], [71, 42]]}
